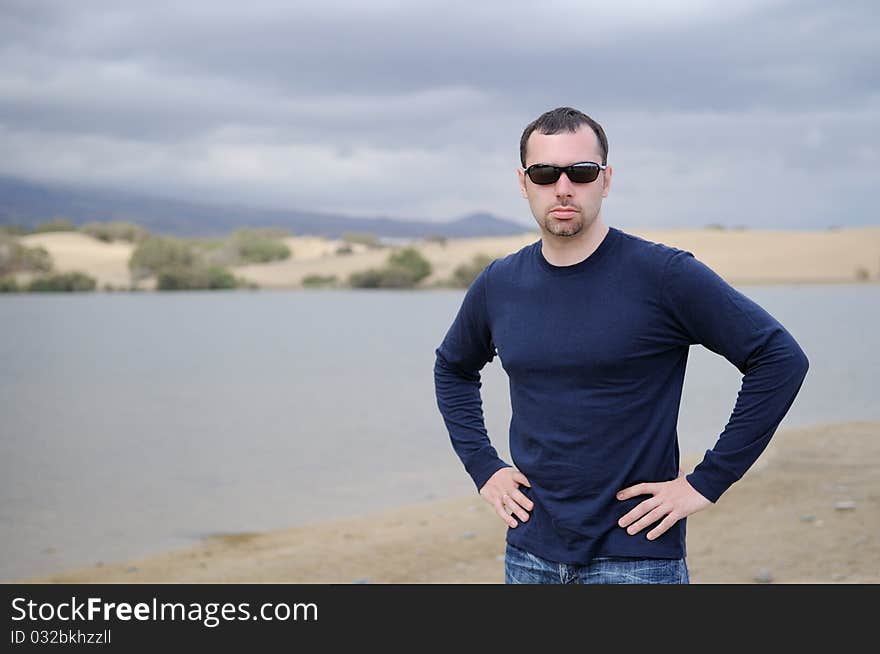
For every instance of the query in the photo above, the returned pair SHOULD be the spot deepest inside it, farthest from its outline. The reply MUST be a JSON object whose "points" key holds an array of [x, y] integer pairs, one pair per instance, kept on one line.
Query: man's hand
{"points": [[502, 492], [674, 499]]}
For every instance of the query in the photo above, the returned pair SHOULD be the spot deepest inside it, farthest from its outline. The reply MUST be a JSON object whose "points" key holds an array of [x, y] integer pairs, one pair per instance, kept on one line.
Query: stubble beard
{"points": [[565, 228], [570, 227]]}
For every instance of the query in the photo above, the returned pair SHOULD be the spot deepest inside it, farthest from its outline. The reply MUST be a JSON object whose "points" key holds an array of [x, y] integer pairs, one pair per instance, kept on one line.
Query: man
{"points": [[593, 326]]}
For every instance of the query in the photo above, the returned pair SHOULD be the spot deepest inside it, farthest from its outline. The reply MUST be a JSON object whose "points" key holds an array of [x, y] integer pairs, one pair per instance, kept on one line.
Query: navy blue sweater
{"points": [[595, 354]]}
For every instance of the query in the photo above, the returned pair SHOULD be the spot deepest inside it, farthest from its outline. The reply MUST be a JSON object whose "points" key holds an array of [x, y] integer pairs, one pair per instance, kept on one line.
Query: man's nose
{"points": [[563, 185]]}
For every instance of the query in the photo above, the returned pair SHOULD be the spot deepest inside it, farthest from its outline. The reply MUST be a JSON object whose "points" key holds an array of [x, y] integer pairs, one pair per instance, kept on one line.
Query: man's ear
{"points": [[606, 182], [522, 182]]}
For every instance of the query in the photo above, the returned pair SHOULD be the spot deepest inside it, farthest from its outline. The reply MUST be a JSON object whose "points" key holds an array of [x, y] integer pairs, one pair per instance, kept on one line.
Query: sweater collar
{"points": [[580, 266]]}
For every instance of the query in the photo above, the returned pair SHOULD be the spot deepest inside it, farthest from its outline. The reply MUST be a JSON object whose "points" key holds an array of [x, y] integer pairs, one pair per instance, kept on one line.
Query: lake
{"points": [[134, 423]]}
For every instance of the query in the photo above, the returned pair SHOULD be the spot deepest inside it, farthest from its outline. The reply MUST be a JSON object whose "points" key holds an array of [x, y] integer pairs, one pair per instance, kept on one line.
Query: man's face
{"points": [[565, 209]]}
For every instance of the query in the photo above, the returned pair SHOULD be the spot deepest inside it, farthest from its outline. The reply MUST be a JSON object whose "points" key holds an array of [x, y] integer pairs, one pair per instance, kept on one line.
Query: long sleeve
{"points": [[705, 309], [465, 350]]}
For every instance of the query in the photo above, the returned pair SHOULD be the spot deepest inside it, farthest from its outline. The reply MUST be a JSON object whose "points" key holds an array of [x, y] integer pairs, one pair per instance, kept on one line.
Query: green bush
{"points": [[180, 278], [259, 245], [36, 259], [371, 278], [115, 230], [157, 253], [243, 246], [8, 284], [55, 225], [464, 275], [9, 248], [410, 260], [382, 278], [180, 265], [405, 269], [67, 282], [13, 230], [318, 281], [15, 257]]}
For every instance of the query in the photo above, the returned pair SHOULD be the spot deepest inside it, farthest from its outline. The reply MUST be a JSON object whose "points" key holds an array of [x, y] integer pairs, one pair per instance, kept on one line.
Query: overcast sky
{"points": [[765, 114]]}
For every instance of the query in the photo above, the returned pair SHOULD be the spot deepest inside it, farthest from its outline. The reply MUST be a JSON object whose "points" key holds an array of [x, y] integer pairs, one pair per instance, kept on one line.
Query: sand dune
{"points": [[758, 256], [740, 256], [73, 251]]}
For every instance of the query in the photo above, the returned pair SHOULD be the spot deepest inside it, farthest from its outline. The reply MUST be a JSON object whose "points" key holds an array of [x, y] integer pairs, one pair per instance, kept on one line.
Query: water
{"points": [[134, 423]]}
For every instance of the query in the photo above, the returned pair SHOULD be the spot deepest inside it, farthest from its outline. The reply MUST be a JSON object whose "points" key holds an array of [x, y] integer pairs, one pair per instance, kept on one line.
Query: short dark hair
{"points": [[562, 119]]}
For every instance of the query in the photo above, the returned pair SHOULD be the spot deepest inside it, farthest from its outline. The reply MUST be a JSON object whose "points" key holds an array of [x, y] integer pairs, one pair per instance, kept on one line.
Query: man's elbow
{"points": [[799, 363], [445, 369], [804, 364], [441, 366]]}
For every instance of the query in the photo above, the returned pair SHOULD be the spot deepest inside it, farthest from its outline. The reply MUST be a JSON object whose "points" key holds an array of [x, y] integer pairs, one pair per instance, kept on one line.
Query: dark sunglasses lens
{"points": [[583, 174], [544, 174]]}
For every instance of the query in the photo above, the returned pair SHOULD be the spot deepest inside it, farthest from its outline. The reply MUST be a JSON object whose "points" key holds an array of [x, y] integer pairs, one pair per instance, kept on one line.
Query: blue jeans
{"points": [[522, 567]]}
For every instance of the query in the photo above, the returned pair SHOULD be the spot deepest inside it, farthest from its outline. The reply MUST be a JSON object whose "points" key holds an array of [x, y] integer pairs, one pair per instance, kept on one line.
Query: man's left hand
{"points": [[674, 499]]}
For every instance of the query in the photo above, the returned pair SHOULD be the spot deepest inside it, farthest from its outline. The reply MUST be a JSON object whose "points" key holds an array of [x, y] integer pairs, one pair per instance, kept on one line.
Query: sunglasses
{"points": [[578, 173]]}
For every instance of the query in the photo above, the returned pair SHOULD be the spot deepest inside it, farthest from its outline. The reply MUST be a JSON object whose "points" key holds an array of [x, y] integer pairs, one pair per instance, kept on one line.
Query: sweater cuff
{"points": [[706, 486], [484, 467]]}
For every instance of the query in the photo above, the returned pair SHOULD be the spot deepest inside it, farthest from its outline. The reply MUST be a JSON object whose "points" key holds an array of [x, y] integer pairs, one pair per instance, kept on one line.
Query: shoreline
{"points": [[808, 511], [742, 257]]}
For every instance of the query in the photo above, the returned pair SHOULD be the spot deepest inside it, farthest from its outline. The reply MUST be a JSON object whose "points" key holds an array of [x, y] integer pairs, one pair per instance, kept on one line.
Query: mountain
{"points": [[29, 203]]}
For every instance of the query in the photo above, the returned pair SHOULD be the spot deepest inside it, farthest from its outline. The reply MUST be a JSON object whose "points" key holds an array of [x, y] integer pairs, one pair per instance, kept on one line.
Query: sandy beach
{"points": [[807, 512], [740, 256]]}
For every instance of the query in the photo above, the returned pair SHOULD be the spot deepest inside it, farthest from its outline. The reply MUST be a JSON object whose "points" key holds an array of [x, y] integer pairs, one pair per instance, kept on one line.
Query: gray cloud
{"points": [[370, 108]]}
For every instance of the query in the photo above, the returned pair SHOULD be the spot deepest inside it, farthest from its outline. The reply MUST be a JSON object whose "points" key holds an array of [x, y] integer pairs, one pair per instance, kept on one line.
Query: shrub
{"points": [[464, 275], [252, 245], [8, 254], [13, 230], [317, 281], [179, 265], [412, 261], [435, 238], [116, 230], [66, 282], [180, 278], [371, 278], [382, 278], [259, 246], [35, 259], [405, 269], [157, 253], [8, 284], [15, 257], [57, 224]]}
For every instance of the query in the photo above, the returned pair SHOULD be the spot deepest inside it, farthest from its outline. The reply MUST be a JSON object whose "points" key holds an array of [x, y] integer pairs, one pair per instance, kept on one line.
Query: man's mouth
{"points": [[563, 212]]}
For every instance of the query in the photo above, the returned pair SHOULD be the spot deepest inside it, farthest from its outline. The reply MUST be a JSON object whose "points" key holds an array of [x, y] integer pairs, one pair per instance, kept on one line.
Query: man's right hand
{"points": [[502, 492]]}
